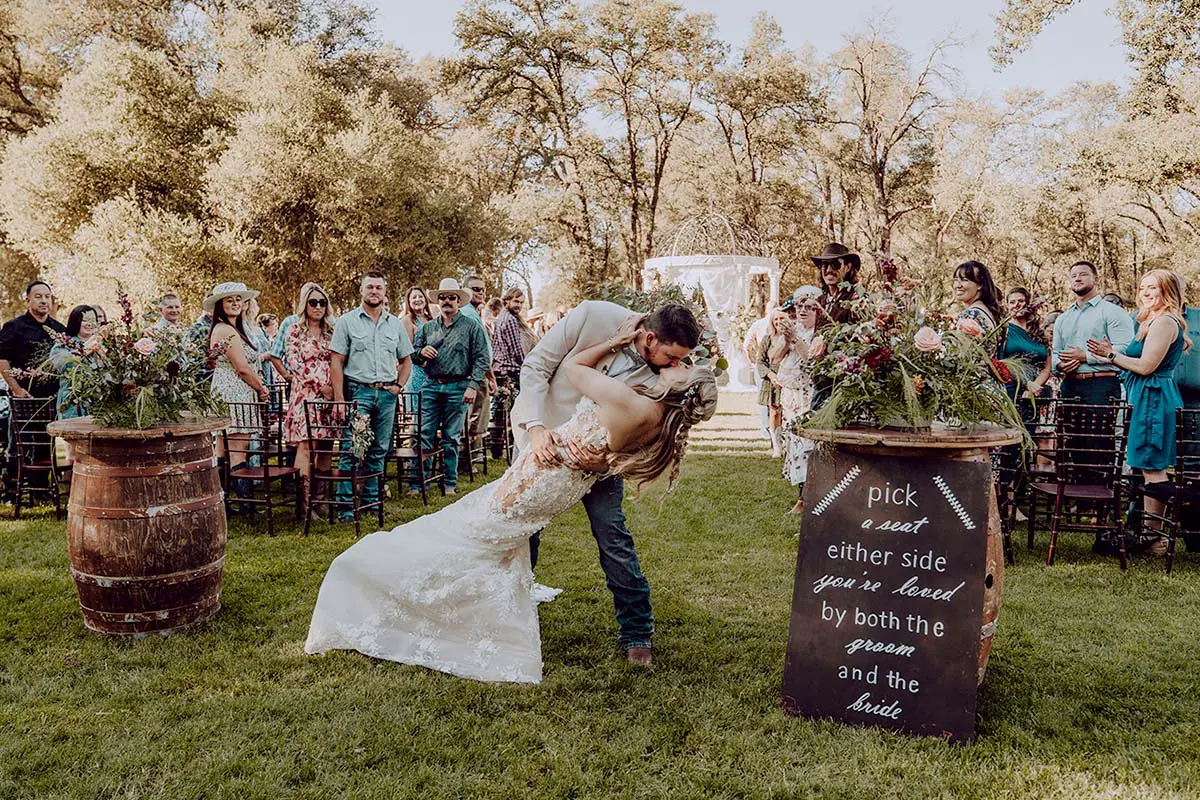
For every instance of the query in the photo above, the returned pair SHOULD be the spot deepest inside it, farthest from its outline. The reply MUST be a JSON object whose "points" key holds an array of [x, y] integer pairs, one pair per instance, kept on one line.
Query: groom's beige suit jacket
{"points": [[547, 397]]}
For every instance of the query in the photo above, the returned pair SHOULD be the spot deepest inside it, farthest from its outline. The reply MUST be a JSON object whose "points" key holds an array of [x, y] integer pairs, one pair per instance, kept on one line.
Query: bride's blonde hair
{"points": [[687, 404]]}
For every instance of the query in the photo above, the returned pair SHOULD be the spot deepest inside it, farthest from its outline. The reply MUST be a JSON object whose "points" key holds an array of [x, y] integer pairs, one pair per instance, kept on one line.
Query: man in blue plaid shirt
{"points": [[454, 352]]}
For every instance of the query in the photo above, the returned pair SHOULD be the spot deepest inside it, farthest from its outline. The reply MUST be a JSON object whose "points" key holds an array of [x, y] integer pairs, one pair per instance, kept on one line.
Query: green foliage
{"points": [[133, 375], [1091, 691], [903, 364]]}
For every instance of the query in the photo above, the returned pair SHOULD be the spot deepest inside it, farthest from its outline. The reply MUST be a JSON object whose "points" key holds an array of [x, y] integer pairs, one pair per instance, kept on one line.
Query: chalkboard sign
{"points": [[889, 591]]}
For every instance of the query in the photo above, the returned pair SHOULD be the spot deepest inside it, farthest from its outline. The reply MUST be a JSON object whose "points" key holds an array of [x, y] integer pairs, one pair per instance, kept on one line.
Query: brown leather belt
{"points": [[1083, 376]]}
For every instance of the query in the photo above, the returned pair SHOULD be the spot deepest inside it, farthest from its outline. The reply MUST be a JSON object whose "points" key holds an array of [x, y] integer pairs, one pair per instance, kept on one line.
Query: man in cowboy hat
{"points": [[454, 353], [368, 364], [837, 266]]}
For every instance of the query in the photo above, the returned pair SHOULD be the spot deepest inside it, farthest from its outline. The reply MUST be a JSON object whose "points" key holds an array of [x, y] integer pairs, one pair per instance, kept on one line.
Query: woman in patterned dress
{"points": [[975, 289], [236, 376], [307, 349]]}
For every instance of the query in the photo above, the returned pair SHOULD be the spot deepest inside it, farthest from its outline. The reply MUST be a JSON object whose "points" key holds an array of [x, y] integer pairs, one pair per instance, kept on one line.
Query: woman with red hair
{"points": [[1148, 366]]}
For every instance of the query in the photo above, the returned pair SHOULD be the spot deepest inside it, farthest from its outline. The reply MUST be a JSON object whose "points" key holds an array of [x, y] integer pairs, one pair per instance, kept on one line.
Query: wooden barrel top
{"points": [[939, 437], [86, 428]]}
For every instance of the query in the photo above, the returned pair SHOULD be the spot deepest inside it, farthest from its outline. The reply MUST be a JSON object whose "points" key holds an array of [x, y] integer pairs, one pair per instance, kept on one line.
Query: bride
{"points": [[451, 590]]}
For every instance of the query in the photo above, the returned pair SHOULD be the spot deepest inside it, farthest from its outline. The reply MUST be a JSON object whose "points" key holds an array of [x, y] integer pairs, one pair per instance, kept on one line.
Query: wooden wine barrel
{"points": [[956, 445], [145, 525]]}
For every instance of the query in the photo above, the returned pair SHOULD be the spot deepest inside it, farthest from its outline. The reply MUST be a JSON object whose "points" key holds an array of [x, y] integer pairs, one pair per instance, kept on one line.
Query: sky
{"points": [[1081, 44]]}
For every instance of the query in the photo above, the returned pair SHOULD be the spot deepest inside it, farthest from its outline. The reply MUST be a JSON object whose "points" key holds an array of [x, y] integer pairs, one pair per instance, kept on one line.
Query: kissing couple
{"points": [[606, 395]]}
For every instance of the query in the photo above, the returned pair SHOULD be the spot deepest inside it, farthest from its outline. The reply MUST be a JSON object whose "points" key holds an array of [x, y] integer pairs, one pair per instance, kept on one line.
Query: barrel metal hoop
{"points": [[153, 471], [150, 616], [988, 629], [153, 512], [149, 581]]}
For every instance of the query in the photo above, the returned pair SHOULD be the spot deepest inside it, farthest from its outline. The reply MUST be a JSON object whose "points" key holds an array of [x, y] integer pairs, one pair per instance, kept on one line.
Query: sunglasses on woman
{"points": [[317, 302]]}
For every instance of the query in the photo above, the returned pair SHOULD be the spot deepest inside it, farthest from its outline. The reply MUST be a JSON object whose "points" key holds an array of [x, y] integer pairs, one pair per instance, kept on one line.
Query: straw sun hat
{"points": [[227, 289], [449, 285]]}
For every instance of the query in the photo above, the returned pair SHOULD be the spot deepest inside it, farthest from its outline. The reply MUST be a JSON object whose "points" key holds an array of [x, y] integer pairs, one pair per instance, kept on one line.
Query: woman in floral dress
{"points": [[307, 349]]}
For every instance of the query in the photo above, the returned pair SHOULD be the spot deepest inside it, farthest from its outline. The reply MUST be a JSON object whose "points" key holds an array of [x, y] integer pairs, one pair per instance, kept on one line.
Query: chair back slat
{"points": [[325, 424], [1187, 445], [1089, 442]]}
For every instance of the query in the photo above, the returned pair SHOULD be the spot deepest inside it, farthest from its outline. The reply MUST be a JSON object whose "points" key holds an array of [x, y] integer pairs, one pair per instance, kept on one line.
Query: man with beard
{"points": [[24, 342], [664, 338], [453, 350], [1086, 378], [837, 265], [369, 361]]}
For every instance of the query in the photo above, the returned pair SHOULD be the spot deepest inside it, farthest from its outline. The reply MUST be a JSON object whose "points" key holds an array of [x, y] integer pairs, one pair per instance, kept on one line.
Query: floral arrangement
{"points": [[133, 375], [361, 435], [902, 364]]}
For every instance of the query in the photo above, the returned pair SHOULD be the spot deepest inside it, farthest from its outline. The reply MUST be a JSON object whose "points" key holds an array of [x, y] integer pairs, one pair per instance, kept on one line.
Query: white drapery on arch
{"points": [[725, 281]]}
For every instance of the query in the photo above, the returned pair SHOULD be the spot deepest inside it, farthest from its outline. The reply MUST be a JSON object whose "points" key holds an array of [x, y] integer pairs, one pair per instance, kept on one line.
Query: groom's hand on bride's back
{"points": [[545, 448]]}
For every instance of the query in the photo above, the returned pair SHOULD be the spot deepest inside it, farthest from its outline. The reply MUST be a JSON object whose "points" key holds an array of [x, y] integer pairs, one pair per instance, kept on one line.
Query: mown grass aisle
{"points": [[1093, 689]]}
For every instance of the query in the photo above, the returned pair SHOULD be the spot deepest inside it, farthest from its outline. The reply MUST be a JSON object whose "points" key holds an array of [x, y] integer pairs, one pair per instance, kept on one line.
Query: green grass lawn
{"points": [[1093, 688]]}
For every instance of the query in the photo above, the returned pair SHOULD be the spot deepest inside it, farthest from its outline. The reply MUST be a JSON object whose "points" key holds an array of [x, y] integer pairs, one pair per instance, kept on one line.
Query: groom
{"points": [[547, 399]]}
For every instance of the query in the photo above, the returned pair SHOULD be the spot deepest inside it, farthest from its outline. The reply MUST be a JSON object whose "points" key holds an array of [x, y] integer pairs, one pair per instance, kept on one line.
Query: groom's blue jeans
{"points": [[618, 559]]}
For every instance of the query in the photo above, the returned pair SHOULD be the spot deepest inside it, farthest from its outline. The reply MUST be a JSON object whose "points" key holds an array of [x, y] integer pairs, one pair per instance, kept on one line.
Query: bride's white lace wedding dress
{"points": [[451, 590]]}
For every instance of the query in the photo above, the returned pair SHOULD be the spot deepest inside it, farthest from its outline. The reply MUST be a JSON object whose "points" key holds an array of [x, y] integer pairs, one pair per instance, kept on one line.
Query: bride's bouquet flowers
{"points": [[133, 375], [902, 364]]}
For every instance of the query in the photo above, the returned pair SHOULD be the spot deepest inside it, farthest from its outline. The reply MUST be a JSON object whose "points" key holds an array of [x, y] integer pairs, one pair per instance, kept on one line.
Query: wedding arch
{"points": [[727, 261]]}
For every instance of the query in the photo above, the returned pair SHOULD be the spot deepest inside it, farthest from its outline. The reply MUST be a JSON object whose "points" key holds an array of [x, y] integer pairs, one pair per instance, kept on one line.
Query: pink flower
{"points": [[816, 347], [145, 345], [927, 340], [970, 327]]}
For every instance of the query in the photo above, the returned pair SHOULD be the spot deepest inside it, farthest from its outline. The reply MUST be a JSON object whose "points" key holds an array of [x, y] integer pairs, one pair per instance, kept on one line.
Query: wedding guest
{"points": [[1026, 341], [416, 314], [101, 317], [278, 354], [453, 350], [975, 289], [534, 320], [260, 340], [755, 334], [307, 349], [1086, 378], [369, 363], [771, 352], [24, 341], [491, 312], [269, 324], [1115, 299], [481, 408], [1147, 367], [838, 268], [81, 326], [235, 377], [796, 393], [511, 342], [170, 311]]}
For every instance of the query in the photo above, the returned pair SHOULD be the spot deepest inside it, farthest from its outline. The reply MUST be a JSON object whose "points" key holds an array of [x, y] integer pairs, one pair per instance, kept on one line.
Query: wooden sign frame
{"points": [[889, 592]]}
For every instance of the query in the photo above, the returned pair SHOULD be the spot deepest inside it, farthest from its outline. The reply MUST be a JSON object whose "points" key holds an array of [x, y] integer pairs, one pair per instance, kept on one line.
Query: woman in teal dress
{"points": [[81, 325], [1147, 365], [1026, 342]]}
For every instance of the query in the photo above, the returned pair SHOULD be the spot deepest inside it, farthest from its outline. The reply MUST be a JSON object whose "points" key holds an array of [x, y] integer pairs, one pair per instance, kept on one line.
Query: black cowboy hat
{"points": [[834, 251]]}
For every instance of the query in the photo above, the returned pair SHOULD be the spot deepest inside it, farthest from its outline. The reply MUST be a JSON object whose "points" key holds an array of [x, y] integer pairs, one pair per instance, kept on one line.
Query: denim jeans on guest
{"points": [[618, 559], [442, 408], [380, 406]]}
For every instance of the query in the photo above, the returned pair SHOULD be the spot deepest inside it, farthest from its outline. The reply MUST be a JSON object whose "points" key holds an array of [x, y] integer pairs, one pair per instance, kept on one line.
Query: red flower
{"points": [[1002, 371], [878, 357]]}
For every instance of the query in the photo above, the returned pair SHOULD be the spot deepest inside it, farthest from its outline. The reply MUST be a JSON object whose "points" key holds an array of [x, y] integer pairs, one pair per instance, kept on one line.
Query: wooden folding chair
{"points": [[327, 426], [1089, 456], [265, 461], [38, 471], [409, 452]]}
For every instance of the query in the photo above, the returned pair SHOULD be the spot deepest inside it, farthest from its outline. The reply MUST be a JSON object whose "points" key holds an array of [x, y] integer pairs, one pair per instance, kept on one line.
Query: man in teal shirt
{"points": [[453, 350], [1087, 379], [370, 358]]}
